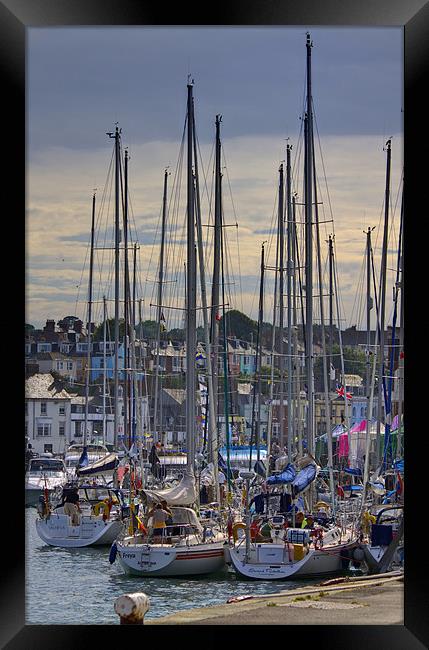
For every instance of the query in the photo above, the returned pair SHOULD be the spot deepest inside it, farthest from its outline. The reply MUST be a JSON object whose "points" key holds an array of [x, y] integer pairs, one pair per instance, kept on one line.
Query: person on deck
{"points": [[168, 510], [300, 520], [310, 522], [222, 481], [159, 518], [71, 506]]}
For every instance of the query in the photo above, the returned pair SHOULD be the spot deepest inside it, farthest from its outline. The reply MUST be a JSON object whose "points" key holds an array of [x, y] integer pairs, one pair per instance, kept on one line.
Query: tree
{"points": [[98, 334]]}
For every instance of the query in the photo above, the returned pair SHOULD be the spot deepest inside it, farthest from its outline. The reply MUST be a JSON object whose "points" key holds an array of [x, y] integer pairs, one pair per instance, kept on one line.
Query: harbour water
{"points": [[80, 586]]}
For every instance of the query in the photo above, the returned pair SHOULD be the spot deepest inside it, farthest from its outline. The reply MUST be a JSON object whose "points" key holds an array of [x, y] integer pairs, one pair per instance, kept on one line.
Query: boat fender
{"points": [[113, 552], [236, 527], [317, 536]]}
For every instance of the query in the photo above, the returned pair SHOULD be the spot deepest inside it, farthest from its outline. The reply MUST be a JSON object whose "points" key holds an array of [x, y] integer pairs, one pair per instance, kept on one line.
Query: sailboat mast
{"points": [[190, 294], [281, 304], [297, 357], [290, 428], [88, 359], [381, 382], [159, 309], [368, 323], [324, 352], [259, 357], [308, 130], [331, 313], [213, 444], [104, 368], [126, 311], [401, 348], [214, 324], [116, 135]]}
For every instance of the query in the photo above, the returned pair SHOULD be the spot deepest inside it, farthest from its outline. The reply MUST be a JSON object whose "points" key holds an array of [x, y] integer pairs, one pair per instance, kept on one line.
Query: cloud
{"points": [[59, 215]]}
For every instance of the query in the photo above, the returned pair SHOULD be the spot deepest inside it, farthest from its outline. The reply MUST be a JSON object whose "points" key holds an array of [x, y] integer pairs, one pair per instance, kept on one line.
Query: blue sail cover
{"points": [[399, 465], [355, 471], [303, 479], [286, 476]]}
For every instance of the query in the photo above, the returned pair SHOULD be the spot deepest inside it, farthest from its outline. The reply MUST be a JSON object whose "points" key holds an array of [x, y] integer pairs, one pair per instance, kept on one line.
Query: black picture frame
{"points": [[15, 17]]}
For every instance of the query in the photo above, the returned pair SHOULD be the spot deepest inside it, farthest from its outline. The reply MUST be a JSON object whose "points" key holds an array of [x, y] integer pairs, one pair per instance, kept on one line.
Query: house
{"points": [[171, 358], [172, 408], [47, 362], [47, 414]]}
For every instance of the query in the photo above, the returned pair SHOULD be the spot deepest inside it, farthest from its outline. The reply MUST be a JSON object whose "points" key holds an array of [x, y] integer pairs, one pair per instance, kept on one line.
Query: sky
{"points": [[81, 81]]}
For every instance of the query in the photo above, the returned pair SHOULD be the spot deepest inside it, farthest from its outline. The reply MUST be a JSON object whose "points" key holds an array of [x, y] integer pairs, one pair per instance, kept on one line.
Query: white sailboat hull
{"points": [[57, 530], [164, 560], [275, 561]]}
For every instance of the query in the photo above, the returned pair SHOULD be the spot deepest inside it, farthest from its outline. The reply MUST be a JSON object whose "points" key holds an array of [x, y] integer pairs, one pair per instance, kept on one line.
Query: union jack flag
{"points": [[340, 391]]}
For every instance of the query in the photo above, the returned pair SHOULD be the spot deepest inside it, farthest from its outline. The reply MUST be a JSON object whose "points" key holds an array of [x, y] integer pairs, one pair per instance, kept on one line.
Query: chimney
{"points": [[50, 326]]}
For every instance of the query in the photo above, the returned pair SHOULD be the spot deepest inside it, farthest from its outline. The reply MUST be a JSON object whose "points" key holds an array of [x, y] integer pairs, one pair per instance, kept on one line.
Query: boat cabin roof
{"points": [[46, 465], [183, 515]]}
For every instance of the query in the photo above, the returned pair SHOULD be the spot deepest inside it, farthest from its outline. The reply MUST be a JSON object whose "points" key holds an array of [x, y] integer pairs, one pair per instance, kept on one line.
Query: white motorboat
{"points": [[44, 473], [292, 553], [186, 548], [99, 523], [73, 454]]}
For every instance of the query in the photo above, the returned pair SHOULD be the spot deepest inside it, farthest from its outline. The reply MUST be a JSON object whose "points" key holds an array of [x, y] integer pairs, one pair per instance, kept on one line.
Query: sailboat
{"points": [[292, 551], [101, 508], [186, 547]]}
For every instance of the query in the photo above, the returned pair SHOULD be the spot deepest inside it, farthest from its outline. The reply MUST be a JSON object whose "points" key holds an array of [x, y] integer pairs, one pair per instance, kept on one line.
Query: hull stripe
{"points": [[197, 556]]}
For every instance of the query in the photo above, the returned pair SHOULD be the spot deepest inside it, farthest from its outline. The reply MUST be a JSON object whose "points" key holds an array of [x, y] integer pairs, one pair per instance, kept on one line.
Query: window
{"points": [[47, 449], [82, 347], [44, 347], [176, 364], [60, 365], [26, 408], [62, 409], [43, 430], [69, 365], [77, 430], [62, 430], [42, 408]]}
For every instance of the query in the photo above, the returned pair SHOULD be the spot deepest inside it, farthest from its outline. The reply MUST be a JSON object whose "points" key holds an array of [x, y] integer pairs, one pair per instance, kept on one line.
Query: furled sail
{"points": [[183, 494]]}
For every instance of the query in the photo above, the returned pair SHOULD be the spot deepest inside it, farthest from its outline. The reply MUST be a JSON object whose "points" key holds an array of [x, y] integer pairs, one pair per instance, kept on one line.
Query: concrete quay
{"points": [[371, 600]]}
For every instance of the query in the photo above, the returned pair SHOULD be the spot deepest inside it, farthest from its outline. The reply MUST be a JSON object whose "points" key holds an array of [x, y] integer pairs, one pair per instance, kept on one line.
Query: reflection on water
{"points": [[80, 586]]}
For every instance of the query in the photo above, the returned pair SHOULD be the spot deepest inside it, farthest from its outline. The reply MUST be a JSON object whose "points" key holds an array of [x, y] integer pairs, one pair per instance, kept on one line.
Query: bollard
{"points": [[131, 608]]}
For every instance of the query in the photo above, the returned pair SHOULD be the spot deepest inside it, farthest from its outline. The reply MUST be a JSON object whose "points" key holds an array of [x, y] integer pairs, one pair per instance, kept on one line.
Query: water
{"points": [[80, 586]]}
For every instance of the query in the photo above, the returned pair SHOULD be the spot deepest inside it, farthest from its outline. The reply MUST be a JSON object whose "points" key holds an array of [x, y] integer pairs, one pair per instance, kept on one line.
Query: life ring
{"points": [[236, 527], [101, 505]]}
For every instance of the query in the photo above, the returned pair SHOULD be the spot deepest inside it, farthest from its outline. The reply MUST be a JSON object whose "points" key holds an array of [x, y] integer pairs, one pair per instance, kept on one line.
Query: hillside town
{"points": [[56, 361]]}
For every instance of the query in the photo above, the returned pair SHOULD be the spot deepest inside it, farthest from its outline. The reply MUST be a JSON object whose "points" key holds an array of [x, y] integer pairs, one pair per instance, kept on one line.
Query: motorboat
{"points": [[74, 453], [100, 519], [44, 474]]}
